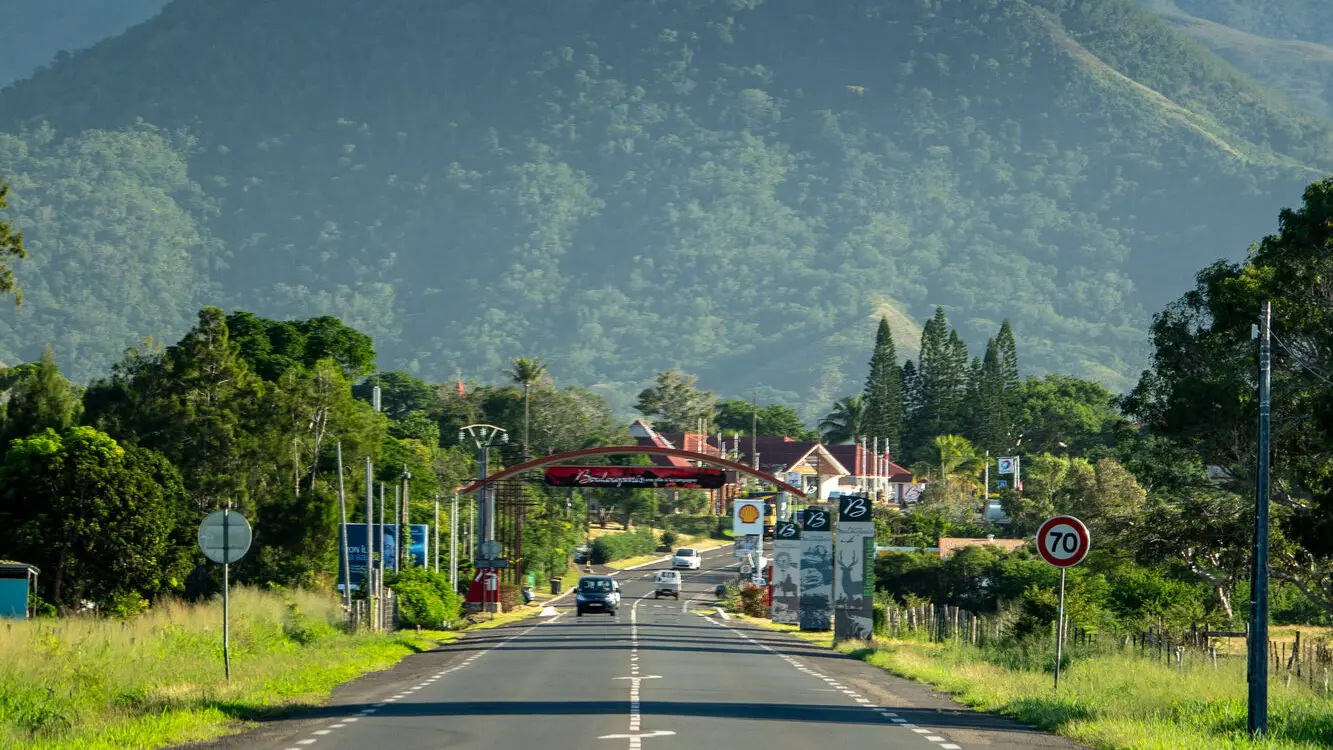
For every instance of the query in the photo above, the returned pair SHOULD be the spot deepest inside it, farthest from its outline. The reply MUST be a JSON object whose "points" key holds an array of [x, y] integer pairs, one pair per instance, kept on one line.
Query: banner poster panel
{"points": [[854, 589], [787, 573], [816, 569]]}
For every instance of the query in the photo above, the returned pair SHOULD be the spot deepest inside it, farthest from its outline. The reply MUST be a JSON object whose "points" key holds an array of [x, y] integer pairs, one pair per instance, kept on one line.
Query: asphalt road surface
{"points": [[658, 676]]}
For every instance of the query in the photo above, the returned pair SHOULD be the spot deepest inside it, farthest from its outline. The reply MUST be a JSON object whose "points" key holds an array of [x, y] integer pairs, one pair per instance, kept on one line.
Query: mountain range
{"points": [[740, 188]]}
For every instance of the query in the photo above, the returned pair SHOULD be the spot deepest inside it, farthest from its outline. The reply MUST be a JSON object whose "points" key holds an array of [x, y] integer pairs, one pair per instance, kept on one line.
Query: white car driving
{"points": [[686, 558]]}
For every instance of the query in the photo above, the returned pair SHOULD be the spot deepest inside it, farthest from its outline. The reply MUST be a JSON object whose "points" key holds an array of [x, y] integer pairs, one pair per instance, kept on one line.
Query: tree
{"points": [[677, 403], [196, 402], [11, 245], [400, 393], [101, 521], [1008, 349], [1059, 413], [40, 399], [883, 393], [993, 422], [846, 423], [272, 347], [738, 416], [526, 372]]}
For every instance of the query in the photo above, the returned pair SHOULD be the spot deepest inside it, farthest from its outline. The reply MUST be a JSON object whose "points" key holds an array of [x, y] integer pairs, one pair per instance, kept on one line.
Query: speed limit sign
{"points": [[1063, 541]]}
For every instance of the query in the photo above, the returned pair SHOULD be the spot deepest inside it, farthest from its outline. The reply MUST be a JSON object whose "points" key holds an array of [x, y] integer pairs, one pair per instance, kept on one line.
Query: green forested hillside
{"points": [[34, 32], [1285, 46], [738, 186], [1306, 20]]}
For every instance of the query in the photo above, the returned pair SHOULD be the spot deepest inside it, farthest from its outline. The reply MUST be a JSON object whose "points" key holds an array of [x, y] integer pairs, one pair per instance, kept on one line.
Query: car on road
{"points": [[686, 558], [581, 554], [597, 594], [667, 584]]}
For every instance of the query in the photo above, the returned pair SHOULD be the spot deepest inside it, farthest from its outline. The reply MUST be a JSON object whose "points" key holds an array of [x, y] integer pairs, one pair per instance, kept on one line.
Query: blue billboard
{"points": [[358, 551]]}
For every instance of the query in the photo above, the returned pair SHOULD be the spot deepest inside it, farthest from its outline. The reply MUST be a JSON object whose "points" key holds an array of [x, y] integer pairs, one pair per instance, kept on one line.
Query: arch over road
{"points": [[648, 450]]}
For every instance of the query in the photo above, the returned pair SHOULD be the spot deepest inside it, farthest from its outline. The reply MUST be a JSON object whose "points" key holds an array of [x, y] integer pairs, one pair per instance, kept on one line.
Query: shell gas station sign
{"points": [[748, 517]]}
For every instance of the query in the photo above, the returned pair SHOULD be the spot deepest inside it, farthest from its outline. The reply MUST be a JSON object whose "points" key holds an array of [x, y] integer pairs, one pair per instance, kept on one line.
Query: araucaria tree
{"points": [[883, 396]]}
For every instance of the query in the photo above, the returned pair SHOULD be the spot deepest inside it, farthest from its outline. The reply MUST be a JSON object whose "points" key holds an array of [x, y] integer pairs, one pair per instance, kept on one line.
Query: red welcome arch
{"points": [[609, 450]]}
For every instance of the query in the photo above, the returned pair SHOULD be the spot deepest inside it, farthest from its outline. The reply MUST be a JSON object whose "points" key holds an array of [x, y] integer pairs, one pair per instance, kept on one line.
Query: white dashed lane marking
{"points": [[834, 685], [366, 712]]}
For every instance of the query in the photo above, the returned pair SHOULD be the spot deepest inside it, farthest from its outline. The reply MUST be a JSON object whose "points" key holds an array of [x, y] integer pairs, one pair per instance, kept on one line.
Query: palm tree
{"points": [[846, 422], [957, 456], [526, 372]]}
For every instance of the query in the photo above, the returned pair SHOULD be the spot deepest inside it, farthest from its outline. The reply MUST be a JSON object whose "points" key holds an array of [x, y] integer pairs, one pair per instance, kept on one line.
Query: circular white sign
{"points": [[224, 536], [1063, 541]]}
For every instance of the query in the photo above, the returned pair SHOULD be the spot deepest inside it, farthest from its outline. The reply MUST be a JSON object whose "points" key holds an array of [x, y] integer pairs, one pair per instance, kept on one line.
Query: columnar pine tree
{"points": [[992, 406], [958, 411], [1008, 357], [933, 371], [911, 390], [883, 395], [1008, 362]]}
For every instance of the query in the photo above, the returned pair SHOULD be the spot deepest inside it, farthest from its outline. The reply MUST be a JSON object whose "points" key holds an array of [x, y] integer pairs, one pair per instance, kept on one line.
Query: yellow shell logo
{"points": [[749, 513]]}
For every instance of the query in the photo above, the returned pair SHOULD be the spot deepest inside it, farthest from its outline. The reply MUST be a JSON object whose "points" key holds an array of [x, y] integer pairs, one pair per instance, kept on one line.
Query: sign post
{"points": [[854, 599], [224, 537], [1062, 541], [786, 578], [816, 593]]}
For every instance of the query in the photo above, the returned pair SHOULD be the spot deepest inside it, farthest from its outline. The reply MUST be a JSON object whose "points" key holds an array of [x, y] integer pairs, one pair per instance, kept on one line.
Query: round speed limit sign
{"points": [[1063, 541]]}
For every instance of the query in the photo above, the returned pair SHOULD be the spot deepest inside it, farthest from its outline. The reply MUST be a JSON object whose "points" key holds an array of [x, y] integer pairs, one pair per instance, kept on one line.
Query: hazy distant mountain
{"points": [[32, 32], [1284, 44], [736, 187]]}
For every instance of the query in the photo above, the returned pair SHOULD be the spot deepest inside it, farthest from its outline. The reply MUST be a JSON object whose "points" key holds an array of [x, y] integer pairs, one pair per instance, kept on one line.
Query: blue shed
{"points": [[16, 581]]}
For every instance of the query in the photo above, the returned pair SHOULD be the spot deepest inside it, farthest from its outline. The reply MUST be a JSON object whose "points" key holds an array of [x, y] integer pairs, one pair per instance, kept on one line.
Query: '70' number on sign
{"points": [[1063, 542]]}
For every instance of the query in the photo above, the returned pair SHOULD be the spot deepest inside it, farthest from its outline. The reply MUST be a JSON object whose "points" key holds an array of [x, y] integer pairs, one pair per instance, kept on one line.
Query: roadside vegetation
{"points": [[157, 679], [1114, 699]]}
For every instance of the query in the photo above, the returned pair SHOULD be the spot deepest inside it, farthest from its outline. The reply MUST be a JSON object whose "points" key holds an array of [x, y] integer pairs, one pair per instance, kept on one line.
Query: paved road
{"points": [[659, 676]]}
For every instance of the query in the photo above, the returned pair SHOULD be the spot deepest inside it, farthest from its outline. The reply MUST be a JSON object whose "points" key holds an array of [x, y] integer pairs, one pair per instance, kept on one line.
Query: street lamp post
{"points": [[482, 436]]}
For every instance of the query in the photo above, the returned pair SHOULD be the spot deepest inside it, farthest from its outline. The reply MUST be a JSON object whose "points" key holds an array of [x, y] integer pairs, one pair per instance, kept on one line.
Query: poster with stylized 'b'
{"points": [[854, 583], [787, 573], [816, 569]]}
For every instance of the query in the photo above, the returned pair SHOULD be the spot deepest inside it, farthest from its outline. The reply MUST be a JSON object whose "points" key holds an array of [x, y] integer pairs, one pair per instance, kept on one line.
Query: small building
{"points": [[17, 582], [948, 544]]}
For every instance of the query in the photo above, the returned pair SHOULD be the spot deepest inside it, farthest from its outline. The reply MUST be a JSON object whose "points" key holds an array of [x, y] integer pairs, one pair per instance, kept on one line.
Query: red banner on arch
{"points": [[654, 477]]}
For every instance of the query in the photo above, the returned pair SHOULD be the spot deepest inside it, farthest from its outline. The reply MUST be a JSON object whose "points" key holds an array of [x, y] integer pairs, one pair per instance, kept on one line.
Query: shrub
{"points": [[424, 598], [669, 539], [620, 546], [752, 602]]}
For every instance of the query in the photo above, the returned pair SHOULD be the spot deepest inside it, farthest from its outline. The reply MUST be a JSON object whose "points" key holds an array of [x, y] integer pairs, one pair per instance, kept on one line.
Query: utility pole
{"points": [[370, 546], [437, 534], [1258, 645], [404, 532], [986, 492], [754, 428], [453, 544], [397, 529], [379, 580], [342, 531]]}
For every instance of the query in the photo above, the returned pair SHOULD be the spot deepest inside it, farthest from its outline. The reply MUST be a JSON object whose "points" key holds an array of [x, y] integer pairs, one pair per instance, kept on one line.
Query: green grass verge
{"points": [[158, 680], [1109, 701], [1116, 700]]}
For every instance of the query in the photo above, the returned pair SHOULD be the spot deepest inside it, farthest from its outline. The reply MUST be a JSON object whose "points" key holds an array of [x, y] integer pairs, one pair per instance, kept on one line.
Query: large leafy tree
{"points": [[739, 416], [37, 398], [676, 403], [1200, 389], [11, 246], [99, 519], [272, 347]]}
